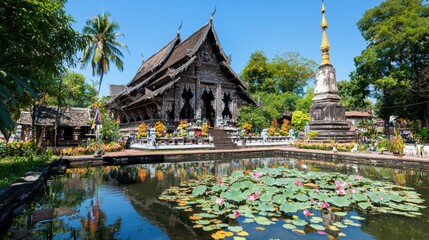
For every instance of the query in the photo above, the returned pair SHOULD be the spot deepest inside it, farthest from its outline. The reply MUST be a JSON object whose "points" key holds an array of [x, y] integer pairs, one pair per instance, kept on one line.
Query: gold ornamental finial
{"points": [[325, 43]]}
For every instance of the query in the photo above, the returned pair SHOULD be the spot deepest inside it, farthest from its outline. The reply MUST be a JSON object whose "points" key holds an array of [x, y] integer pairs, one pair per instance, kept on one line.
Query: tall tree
{"points": [[287, 72], [79, 93], [102, 45], [395, 61], [36, 43]]}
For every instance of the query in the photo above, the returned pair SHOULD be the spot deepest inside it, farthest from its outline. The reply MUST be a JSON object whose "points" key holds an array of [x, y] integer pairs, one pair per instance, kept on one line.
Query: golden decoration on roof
{"points": [[324, 47]]}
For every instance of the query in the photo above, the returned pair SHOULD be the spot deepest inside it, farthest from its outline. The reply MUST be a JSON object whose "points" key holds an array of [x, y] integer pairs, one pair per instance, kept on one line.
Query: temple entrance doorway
{"points": [[208, 111], [226, 113], [187, 112]]}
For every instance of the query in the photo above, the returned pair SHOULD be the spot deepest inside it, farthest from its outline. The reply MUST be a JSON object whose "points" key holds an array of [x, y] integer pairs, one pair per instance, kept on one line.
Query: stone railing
{"points": [[163, 141], [239, 140]]}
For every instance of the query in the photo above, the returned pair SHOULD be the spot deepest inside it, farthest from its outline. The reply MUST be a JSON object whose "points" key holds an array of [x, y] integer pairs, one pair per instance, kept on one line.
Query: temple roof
{"points": [[116, 89], [46, 115], [162, 68]]}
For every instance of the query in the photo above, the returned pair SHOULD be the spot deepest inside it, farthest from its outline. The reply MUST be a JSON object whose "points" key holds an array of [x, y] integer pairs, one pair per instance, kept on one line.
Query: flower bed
{"points": [[78, 151], [342, 147]]}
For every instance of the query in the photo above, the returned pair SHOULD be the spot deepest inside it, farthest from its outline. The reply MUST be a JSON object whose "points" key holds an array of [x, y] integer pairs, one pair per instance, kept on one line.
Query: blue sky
{"points": [[243, 27]]}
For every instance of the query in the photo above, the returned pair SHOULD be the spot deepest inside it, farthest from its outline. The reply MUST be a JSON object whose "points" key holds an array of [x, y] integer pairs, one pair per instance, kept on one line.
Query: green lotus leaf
{"points": [[265, 197], [266, 207], [289, 226], [283, 181], [265, 223], [207, 215], [299, 222], [248, 184], [316, 220], [374, 197], [301, 197], [239, 238], [219, 187], [364, 205], [288, 207], [268, 181], [318, 227], [323, 197], [272, 190], [203, 222], [235, 229], [357, 218], [340, 201], [248, 220], [235, 195], [237, 174], [279, 199], [341, 214], [237, 186], [209, 228], [199, 190], [358, 197], [288, 193], [339, 225], [222, 225]]}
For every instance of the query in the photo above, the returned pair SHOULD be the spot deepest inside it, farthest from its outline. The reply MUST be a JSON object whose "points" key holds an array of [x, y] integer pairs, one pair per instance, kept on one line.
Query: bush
{"points": [[342, 147], [299, 120], [423, 135], [383, 145], [21, 149]]}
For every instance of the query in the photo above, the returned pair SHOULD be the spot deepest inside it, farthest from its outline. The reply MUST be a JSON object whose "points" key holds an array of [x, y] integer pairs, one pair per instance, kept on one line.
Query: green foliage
{"points": [[110, 129], [19, 149], [303, 104], [423, 135], [341, 147], [353, 94], [311, 135], [18, 158], [102, 46], [395, 61], [37, 41], [287, 72], [383, 145], [74, 92], [299, 120]]}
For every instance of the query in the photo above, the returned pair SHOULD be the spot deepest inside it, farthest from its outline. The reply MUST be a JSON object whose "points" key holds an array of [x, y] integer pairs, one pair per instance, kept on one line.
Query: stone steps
{"points": [[221, 139]]}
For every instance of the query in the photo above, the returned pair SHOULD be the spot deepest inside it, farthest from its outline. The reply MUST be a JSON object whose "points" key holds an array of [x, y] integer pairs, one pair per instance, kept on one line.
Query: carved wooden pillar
{"points": [[218, 103]]}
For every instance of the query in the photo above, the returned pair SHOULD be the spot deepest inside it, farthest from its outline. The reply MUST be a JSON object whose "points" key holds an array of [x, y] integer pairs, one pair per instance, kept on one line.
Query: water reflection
{"points": [[122, 202]]}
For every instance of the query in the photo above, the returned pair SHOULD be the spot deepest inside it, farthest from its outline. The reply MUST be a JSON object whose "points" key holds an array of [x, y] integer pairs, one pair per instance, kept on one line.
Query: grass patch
{"points": [[14, 167]]}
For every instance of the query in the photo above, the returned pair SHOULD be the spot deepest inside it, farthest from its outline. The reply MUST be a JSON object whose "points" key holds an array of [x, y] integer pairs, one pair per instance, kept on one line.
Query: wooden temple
{"points": [[187, 79]]}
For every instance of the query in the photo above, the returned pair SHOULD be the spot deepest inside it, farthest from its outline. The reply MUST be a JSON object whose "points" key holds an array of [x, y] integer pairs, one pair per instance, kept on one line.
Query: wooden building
{"points": [[73, 125], [187, 79]]}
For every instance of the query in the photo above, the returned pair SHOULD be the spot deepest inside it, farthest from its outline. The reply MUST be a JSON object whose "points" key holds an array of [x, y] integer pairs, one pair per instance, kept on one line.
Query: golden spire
{"points": [[325, 43]]}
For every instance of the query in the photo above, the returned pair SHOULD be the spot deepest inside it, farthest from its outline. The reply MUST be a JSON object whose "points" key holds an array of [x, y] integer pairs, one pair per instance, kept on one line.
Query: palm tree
{"points": [[102, 46]]}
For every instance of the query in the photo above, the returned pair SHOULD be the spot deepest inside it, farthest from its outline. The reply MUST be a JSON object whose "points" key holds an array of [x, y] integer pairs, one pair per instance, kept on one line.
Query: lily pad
{"points": [[199, 190], [299, 222], [318, 227], [235, 229], [289, 226]]}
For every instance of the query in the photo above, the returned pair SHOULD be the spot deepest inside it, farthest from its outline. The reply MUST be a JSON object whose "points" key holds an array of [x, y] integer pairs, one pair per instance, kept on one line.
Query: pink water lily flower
{"points": [[340, 184], [236, 214], [358, 177], [381, 198], [219, 181], [297, 182], [219, 201], [312, 200], [341, 191], [317, 190], [352, 191], [254, 196], [306, 213], [325, 205], [257, 175]]}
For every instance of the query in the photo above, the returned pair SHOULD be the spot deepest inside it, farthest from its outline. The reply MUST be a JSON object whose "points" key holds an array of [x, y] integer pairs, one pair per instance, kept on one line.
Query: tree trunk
{"points": [[101, 80], [426, 115], [33, 123]]}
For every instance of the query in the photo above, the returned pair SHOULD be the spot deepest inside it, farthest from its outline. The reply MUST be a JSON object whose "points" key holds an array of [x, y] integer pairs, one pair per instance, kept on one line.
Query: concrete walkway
{"points": [[361, 158]]}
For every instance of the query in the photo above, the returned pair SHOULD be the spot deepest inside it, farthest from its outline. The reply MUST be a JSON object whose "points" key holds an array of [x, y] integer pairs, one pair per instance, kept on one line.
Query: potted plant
{"points": [[397, 144]]}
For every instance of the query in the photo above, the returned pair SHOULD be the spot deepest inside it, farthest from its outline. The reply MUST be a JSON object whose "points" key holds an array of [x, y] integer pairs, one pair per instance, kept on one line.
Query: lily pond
{"points": [[252, 198]]}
